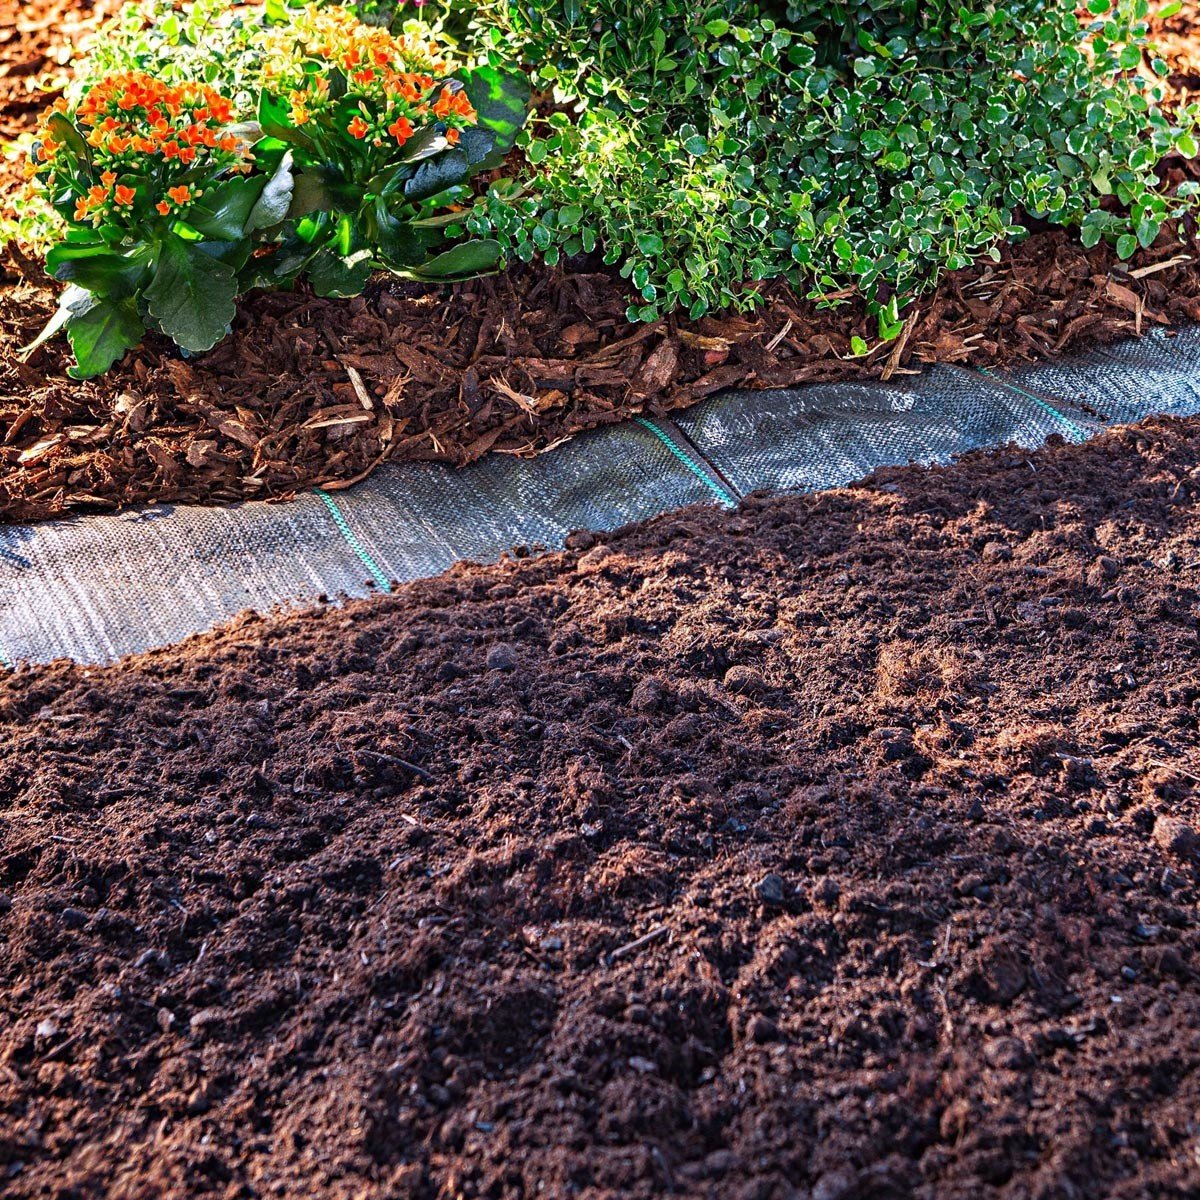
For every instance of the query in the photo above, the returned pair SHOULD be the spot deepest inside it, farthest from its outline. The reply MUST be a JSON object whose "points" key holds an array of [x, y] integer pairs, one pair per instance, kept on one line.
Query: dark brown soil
{"points": [[315, 391], [836, 848]]}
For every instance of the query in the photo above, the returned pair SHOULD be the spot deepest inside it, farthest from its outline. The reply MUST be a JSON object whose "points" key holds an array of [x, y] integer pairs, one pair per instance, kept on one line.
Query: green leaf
{"points": [[477, 145], [331, 274], [102, 271], [275, 119], [311, 193], [102, 334], [192, 295], [222, 212], [501, 98], [232, 254], [1127, 246], [423, 144], [463, 261], [64, 131], [399, 243], [435, 175]]}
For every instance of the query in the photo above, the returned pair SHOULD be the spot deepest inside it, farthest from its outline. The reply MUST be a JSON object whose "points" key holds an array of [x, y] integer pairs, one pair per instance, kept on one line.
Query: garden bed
{"points": [[845, 843], [320, 391]]}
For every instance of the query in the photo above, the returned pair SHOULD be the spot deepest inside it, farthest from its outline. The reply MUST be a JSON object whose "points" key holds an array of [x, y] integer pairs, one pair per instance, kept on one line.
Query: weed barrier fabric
{"points": [[97, 588]]}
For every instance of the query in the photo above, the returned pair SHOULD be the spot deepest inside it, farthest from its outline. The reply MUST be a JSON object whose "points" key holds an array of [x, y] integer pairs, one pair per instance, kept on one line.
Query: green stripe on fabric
{"points": [[339, 519], [689, 462], [1079, 433]]}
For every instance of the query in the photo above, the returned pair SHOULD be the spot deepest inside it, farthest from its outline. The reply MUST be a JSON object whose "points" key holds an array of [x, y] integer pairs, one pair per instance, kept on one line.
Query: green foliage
{"points": [[324, 149], [848, 147], [378, 152]]}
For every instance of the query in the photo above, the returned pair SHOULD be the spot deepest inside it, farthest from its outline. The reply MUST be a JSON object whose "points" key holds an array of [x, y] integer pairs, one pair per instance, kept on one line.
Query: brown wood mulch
{"points": [[310, 391]]}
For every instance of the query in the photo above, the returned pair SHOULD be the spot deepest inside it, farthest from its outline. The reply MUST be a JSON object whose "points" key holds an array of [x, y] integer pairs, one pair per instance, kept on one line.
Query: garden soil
{"points": [[839, 847], [312, 391]]}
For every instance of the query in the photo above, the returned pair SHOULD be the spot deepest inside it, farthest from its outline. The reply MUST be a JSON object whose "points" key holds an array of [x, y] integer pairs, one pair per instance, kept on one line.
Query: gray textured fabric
{"points": [[822, 436], [96, 588], [416, 519], [1158, 374]]}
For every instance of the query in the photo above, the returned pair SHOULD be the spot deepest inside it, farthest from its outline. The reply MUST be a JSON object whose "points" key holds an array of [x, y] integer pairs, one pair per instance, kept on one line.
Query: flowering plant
{"points": [[352, 152], [161, 195], [384, 134]]}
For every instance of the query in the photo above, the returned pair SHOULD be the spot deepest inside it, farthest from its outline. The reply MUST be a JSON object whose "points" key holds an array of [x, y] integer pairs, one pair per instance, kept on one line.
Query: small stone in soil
{"points": [[1008, 1053], [761, 1029], [838, 1184], [502, 657], [771, 889], [647, 696], [1176, 836], [73, 918]]}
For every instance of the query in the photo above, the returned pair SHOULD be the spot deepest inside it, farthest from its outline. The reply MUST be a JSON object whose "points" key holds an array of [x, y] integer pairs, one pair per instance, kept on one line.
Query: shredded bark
{"points": [[310, 391]]}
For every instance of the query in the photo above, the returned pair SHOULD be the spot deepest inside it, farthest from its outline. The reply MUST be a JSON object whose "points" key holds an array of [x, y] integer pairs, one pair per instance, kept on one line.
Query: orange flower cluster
{"points": [[395, 79], [408, 100], [335, 37], [146, 132]]}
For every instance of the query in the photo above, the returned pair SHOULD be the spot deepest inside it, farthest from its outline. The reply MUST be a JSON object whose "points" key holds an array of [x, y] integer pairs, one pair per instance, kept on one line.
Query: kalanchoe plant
{"points": [[385, 139], [354, 154], [161, 198]]}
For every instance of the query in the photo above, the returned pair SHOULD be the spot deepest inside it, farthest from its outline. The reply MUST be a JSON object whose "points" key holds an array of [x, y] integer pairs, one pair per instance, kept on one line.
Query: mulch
{"points": [[842, 847], [310, 391]]}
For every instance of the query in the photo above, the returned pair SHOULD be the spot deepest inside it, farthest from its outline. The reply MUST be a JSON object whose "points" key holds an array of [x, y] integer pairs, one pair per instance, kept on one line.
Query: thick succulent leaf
{"points": [[275, 120], [233, 254], [437, 174], [398, 242], [65, 132], [501, 98], [310, 194], [101, 334], [279, 268], [317, 191], [272, 206], [463, 261], [333, 275], [99, 269], [477, 145], [423, 144], [225, 208], [192, 295]]}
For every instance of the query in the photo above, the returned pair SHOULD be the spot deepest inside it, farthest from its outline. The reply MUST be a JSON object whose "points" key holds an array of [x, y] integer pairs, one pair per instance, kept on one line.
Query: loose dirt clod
{"points": [[364, 928]]}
